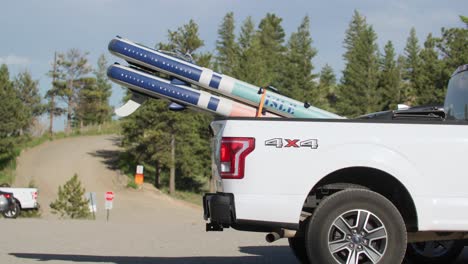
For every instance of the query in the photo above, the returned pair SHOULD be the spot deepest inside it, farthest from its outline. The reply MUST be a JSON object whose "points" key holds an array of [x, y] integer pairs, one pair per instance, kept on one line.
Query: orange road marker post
{"points": [[139, 175]]}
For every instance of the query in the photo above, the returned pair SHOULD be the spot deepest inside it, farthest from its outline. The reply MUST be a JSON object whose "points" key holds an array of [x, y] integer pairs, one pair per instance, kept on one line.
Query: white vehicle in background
{"points": [[26, 198]]}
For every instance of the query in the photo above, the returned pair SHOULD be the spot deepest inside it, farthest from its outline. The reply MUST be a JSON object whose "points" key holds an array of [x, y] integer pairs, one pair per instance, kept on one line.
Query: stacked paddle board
{"points": [[234, 97]]}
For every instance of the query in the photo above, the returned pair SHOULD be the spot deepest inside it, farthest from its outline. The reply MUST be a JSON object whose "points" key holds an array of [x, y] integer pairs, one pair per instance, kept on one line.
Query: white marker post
{"points": [[91, 197], [109, 198]]}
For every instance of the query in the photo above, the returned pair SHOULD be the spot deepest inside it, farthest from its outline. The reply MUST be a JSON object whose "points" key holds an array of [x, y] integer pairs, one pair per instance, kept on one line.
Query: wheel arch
{"points": [[375, 180], [18, 203]]}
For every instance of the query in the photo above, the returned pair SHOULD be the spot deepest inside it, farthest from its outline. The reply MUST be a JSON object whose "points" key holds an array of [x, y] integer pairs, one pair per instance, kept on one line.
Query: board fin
{"points": [[173, 106], [131, 105]]}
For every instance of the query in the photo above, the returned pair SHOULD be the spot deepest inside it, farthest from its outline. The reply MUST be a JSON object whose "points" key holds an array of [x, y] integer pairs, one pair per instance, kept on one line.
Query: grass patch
{"points": [[7, 174], [94, 130], [191, 197], [131, 184], [30, 213]]}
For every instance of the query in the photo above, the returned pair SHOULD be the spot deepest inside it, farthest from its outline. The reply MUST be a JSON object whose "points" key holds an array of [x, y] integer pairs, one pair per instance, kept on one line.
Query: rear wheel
{"points": [[356, 226], [13, 211], [434, 252], [297, 245]]}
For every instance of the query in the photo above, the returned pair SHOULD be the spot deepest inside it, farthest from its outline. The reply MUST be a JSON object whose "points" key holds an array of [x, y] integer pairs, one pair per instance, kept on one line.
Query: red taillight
{"points": [[7, 195], [232, 156], [34, 195]]}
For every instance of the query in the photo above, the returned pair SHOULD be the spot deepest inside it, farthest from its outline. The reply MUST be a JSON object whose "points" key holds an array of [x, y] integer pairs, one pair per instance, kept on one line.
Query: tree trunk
{"points": [[172, 167], [52, 110], [52, 98], [157, 175], [69, 116], [70, 107]]}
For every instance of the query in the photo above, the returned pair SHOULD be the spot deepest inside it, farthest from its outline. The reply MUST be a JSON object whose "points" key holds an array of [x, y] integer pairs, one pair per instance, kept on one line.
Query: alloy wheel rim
{"points": [[357, 237], [11, 212]]}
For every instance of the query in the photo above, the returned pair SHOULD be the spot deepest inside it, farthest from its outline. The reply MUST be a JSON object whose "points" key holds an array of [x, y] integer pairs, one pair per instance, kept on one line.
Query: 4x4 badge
{"points": [[292, 143]]}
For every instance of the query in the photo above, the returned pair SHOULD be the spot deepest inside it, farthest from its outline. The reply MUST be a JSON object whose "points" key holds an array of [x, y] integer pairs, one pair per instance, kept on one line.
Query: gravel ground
{"points": [[166, 232]]}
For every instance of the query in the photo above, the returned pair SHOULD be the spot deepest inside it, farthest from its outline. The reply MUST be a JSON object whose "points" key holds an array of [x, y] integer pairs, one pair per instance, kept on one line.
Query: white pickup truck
{"points": [[26, 198], [349, 190]]}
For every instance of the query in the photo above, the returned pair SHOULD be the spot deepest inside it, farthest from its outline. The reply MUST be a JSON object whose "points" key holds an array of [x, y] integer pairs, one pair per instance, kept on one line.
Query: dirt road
{"points": [[53, 163]]}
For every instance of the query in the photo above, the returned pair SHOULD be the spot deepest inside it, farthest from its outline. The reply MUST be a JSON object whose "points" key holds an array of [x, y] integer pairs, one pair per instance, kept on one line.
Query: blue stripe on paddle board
{"points": [[215, 80], [213, 103]]}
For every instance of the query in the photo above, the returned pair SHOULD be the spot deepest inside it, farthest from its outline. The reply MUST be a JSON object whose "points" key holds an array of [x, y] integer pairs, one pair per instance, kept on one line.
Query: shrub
{"points": [[70, 201], [131, 184]]}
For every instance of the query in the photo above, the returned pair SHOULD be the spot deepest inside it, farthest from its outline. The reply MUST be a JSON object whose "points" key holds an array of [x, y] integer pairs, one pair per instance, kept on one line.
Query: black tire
{"points": [[297, 245], [13, 211], [434, 252], [358, 224]]}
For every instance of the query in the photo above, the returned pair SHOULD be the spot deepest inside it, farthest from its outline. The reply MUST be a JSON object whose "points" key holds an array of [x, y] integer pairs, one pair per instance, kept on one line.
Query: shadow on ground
{"points": [[109, 157], [260, 254]]}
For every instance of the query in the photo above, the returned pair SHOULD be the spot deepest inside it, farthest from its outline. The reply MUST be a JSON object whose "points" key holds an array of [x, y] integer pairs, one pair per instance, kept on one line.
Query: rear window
{"points": [[456, 100]]}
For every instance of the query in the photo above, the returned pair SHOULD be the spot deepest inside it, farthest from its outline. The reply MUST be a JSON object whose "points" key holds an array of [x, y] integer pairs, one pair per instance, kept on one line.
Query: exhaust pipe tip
{"points": [[282, 233], [272, 237]]}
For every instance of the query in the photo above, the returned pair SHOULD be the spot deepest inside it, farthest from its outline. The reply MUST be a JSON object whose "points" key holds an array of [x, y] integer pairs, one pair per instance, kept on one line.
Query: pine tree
{"points": [[389, 79], [71, 68], [93, 97], [185, 41], [412, 70], [372, 58], [262, 53], [326, 90], [453, 47], [297, 79], [226, 46], [186, 38], [11, 111], [104, 89], [432, 90], [179, 125], [172, 142], [464, 19], [358, 90], [87, 110], [70, 201], [250, 67], [28, 93], [52, 107], [247, 34], [271, 51]]}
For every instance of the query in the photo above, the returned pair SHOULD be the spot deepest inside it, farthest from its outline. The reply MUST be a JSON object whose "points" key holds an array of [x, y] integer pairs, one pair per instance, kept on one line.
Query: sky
{"points": [[32, 30]]}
